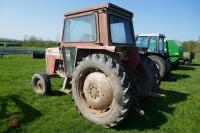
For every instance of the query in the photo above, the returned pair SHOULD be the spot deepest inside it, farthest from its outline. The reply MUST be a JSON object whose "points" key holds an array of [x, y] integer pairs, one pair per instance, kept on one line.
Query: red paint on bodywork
{"points": [[52, 54], [51, 64], [134, 59]]}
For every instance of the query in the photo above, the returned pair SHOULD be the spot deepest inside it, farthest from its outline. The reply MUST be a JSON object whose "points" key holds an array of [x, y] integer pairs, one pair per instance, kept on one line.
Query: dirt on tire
{"points": [[101, 90]]}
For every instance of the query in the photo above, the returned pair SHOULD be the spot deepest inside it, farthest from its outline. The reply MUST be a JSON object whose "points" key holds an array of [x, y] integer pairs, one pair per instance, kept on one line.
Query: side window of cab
{"points": [[152, 44]]}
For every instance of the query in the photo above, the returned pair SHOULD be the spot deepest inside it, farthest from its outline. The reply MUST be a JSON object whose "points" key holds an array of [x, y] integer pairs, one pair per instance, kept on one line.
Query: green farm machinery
{"points": [[177, 55]]}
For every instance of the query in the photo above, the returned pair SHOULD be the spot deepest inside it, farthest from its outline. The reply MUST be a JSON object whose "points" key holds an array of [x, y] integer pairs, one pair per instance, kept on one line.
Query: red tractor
{"points": [[99, 56]]}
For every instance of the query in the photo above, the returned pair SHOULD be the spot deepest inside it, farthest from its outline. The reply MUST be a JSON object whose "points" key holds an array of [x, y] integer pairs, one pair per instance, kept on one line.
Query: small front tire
{"points": [[41, 83]]}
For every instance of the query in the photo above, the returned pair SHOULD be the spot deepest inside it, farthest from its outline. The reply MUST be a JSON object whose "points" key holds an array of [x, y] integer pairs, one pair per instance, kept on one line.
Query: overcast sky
{"points": [[177, 19]]}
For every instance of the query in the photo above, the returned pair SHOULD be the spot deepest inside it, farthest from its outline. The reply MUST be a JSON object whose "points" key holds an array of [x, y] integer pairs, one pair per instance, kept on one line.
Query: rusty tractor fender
{"points": [[73, 55]]}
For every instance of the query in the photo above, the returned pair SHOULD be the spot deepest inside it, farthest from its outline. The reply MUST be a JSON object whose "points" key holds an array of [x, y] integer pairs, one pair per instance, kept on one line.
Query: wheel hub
{"points": [[93, 91], [39, 86], [98, 91]]}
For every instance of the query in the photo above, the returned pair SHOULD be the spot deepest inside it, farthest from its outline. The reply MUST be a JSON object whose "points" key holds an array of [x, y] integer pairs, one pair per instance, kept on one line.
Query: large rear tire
{"points": [[160, 63], [146, 76], [153, 74], [101, 90], [168, 69]]}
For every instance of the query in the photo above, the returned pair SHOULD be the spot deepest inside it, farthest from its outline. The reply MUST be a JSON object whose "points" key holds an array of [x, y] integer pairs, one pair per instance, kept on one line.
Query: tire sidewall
{"points": [[39, 76], [117, 89], [161, 63]]}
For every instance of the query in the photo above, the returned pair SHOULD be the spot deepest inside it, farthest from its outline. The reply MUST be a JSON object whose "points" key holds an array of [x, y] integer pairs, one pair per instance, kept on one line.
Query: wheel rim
{"points": [[38, 85], [96, 93]]}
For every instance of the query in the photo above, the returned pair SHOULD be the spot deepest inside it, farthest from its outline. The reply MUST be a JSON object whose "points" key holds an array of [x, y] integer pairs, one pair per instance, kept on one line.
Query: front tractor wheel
{"points": [[101, 90], [41, 83]]}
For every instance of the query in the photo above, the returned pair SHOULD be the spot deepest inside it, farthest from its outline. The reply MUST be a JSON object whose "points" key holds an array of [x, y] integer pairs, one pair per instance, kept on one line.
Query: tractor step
{"points": [[61, 74], [67, 91], [64, 87], [153, 94]]}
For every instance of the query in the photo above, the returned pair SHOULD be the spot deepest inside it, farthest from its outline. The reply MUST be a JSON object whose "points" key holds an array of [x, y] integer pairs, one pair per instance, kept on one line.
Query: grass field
{"points": [[178, 112]]}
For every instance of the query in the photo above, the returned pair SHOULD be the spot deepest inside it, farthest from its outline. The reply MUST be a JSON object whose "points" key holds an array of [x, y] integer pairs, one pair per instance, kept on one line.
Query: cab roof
{"points": [[152, 34], [108, 6]]}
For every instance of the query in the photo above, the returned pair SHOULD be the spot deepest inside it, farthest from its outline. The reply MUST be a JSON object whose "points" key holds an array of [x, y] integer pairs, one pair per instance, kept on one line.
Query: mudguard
{"points": [[52, 54]]}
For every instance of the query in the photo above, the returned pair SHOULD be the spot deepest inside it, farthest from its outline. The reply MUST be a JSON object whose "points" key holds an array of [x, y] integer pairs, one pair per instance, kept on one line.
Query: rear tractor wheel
{"points": [[160, 63], [41, 83], [146, 76], [101, 90]]}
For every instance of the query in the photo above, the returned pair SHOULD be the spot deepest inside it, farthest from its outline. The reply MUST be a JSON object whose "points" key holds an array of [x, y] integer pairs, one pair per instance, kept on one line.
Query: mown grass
{"points": [[178, 112]]}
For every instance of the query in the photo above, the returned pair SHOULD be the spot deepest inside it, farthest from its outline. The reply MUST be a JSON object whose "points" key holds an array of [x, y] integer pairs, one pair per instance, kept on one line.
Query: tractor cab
{"points": [[104, 25], [105, 28], [153, 43], [154, 46]]}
